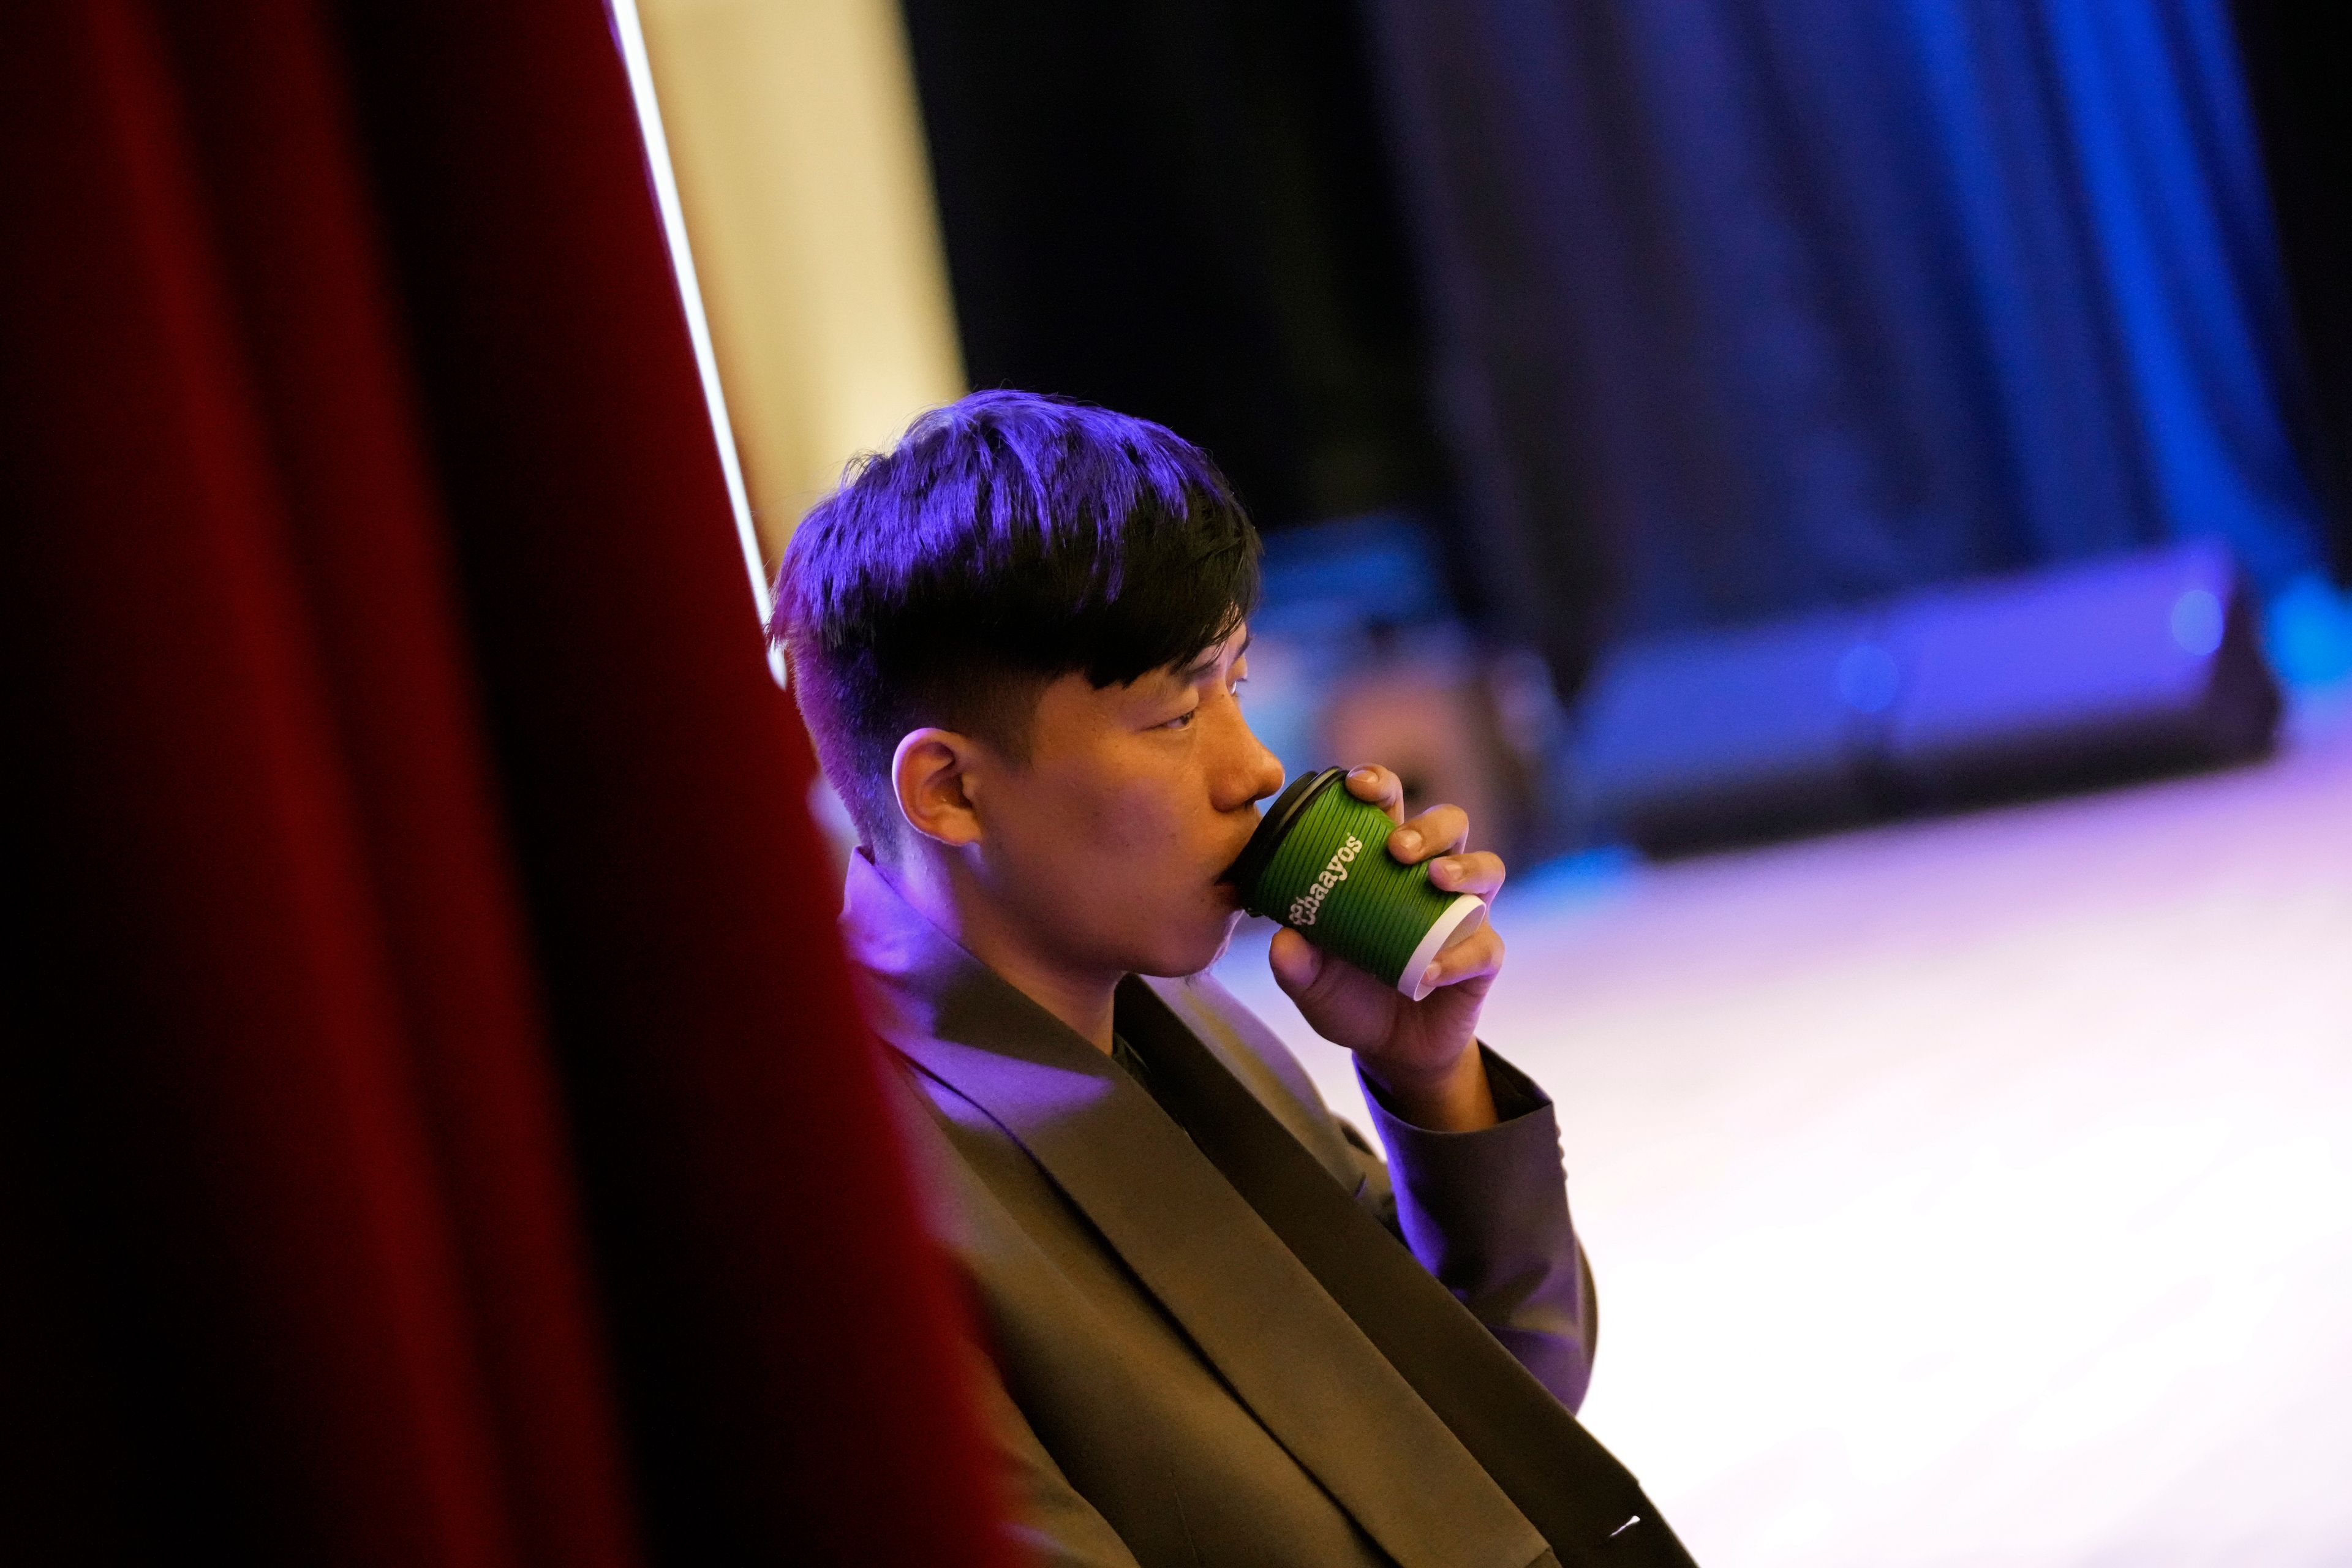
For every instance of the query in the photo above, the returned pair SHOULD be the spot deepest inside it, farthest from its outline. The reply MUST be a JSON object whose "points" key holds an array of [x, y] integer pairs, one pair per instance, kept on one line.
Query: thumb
{"points": [[1296, 962]]}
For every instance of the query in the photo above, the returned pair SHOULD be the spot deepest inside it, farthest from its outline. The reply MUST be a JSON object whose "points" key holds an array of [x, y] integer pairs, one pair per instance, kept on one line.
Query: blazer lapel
{"points": [[1289, 1351], [1585, 1503], [1274, 1078]]}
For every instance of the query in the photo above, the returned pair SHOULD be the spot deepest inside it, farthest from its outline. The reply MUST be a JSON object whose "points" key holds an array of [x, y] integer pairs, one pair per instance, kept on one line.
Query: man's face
{"points": [[1108, 845]]}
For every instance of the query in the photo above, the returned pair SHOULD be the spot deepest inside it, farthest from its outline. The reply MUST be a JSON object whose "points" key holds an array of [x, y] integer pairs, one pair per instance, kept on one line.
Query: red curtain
{"points": [[434, 1128]]}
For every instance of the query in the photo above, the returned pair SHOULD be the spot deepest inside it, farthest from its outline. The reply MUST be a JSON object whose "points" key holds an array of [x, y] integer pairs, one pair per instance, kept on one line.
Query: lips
{"points": [[1224, 877]]}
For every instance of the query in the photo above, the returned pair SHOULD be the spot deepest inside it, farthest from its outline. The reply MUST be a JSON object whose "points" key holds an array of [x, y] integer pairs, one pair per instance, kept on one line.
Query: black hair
{"points": [[1008, 539]]}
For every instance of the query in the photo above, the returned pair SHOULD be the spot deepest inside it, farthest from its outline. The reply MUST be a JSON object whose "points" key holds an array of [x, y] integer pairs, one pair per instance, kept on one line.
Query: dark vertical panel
{"points": [[1184, 211], [2295, 62]]}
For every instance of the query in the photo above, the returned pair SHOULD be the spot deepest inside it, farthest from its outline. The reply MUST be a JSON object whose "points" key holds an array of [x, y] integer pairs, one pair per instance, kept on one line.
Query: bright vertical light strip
{"points": [[632, 39]]}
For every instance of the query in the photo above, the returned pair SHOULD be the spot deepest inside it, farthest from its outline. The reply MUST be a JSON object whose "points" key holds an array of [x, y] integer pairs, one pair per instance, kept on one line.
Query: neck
{"points": [[951, 899]]}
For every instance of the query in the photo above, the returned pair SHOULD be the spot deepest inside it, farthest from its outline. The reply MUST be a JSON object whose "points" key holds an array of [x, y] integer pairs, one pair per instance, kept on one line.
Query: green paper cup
{"points": [[1319, 864]]}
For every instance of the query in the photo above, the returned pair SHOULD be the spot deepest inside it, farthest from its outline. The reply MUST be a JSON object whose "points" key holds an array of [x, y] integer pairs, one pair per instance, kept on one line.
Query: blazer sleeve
{"points": [[1486, 1212]]}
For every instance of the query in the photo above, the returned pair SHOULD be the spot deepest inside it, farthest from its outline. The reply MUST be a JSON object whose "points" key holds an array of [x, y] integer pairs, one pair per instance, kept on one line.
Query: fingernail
{"points": [[1448, 865], [1428, 982], [1406, 841]]}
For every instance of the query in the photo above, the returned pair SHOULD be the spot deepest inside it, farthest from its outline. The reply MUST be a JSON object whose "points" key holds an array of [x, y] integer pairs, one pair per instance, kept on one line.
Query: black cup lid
{"points": [[1293, 799]]}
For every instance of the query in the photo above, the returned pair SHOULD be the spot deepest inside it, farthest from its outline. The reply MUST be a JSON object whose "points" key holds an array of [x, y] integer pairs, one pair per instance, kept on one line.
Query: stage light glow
{"points": [[1868, 678], [2196, 622]]}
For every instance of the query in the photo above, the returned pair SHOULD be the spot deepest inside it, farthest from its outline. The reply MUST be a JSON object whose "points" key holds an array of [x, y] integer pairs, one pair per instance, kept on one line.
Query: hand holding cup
{"points": [[1412, 1025]]}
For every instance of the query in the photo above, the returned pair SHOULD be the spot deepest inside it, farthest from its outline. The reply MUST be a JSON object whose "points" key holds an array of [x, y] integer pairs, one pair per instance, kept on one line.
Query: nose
{"points": [[1253, 774]]}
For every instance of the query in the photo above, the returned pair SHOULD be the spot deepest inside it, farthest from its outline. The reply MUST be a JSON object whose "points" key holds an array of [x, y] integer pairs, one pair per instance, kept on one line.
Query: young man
{"points": [[1018, 638]]}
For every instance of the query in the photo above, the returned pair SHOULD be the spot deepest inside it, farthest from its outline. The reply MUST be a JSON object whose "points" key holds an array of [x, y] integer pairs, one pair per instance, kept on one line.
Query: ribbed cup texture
{"points": [[1333, 881]]}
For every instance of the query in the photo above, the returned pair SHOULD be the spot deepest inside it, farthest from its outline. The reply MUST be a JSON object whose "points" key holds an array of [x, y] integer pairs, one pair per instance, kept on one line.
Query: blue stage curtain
{"points": [[1739, 307]]}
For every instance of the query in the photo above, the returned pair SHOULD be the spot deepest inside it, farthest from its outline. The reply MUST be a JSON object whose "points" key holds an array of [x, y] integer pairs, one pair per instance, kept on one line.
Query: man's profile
{"points": [[1018, 638]]}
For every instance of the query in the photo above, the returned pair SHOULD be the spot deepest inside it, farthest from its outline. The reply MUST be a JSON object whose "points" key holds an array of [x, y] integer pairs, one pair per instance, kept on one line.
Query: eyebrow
{"points": [[1208, 658]]}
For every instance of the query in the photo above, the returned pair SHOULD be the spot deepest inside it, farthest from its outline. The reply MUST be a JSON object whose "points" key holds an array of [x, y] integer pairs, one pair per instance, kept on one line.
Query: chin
{"points": [[1191, 956]]}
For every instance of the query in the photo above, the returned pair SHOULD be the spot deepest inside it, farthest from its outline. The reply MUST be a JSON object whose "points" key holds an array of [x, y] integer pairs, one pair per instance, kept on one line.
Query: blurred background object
{"points": [[2069, 678], [1185, 211], [1657, 318], [799, 163], [1578, 332], [2286, 49], [1358, 652], [1776, 307]]}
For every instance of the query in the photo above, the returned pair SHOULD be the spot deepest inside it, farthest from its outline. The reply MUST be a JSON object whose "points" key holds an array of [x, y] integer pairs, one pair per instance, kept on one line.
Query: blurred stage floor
{"points": [[1972, 1191]]}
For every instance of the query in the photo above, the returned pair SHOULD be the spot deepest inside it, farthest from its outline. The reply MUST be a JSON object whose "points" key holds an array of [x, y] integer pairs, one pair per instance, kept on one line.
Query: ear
{"points": [[931, 773]]}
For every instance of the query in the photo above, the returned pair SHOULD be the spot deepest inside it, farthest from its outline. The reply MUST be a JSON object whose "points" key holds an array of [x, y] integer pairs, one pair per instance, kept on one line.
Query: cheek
{"points": [[1068, 825], [1172, 820], [1133, 839], [1126, 852], [1115, 809], [1120, 869]]}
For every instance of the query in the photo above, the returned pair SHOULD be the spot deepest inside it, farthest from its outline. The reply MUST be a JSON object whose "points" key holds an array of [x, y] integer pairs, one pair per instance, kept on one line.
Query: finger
{"points": [[1297, 964], [1473, 955], [1440, 830], [1481, 872], [1380, 786]]}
